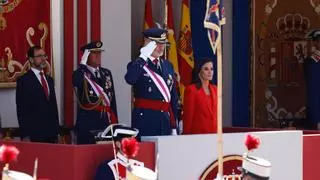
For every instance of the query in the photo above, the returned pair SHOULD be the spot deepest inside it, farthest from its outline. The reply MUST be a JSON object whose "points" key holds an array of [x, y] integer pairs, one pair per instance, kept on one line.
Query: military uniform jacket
{"points": [[312, 75], [88, 119], [151, 122], [108, 169]]}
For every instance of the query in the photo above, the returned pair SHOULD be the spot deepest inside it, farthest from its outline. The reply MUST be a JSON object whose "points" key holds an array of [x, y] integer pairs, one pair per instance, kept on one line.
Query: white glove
{"points": [[219, 177], [180, 127], [146, 51], [174, 132], [84, 57]]}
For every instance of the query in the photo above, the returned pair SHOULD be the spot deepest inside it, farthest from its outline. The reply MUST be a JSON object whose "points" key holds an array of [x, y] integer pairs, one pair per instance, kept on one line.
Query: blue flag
{"points": [[214, 19]]}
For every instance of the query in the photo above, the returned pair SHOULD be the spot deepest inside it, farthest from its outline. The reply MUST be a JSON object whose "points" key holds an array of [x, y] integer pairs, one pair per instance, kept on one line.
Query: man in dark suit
{"points": [[152, 79], [95, 93], [36, 101]]}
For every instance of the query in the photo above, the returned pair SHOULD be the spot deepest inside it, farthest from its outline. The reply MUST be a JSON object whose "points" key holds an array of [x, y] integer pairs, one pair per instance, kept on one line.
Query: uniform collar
{"points": [[35, 71], [152, 59], [121, 157], [316, 56], [92, 69]]}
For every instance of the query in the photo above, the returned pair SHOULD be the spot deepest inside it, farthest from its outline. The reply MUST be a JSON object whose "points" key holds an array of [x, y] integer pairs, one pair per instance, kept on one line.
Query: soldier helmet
{"points": [[116, 132], [9, 174], [252, 166], [313, 34], [256, 167]]}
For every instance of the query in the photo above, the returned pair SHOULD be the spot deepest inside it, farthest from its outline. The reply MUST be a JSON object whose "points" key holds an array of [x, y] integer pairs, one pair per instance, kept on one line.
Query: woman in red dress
{"points": [[200, 102]]}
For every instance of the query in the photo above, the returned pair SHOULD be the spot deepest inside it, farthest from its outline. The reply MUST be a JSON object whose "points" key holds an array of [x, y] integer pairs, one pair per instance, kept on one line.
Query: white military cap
{"points": [[15, 175], [256, 166]]}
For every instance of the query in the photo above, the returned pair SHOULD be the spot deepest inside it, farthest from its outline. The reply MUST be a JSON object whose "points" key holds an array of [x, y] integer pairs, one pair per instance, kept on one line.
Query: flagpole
{"points": [[219, 118], [165, 19], [35, 169], [216, 45]]}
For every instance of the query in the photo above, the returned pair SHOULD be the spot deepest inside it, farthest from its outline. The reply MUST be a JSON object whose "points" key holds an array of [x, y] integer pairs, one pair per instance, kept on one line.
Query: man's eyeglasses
{"points": [[41, 56]]}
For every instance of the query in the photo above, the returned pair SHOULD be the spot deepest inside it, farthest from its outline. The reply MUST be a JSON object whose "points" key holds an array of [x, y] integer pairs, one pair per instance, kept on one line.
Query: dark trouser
{"points": [[44, 139], [84, 137]]}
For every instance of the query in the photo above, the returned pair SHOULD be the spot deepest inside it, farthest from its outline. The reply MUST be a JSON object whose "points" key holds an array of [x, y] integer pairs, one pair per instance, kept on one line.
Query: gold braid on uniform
{"points": [[85, 89]]}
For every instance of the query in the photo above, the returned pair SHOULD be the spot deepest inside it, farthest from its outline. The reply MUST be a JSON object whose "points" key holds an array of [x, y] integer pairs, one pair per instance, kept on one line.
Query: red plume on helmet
{"points": [[130, 147], [252, 142], [8, 153]]}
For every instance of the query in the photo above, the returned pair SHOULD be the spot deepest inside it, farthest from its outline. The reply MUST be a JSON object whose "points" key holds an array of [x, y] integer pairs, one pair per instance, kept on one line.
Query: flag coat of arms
{"points": [[214, 19]]}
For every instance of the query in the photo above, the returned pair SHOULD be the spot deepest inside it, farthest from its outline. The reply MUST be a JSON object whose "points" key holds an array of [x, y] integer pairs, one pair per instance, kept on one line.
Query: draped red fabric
{"points": [[22, 25]]}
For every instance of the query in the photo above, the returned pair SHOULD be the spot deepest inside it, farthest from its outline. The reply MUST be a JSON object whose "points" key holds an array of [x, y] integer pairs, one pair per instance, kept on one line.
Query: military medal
{"points": [[108, 82], [106, 86], [169, 81], [110, 95]]}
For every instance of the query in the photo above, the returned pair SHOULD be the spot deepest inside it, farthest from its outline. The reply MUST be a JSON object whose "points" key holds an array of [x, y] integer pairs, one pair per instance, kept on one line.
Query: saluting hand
{"points": [[84, 57], [146, 51]]}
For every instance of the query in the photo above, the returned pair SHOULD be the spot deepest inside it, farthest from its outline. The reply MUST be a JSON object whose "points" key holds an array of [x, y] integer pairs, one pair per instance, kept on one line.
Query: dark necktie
{"points": [[96, 74], [155, 62], [44, 85]]}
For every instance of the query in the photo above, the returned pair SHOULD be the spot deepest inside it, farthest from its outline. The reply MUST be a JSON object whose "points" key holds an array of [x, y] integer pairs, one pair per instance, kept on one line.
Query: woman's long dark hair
{"points": [[196, 70]]}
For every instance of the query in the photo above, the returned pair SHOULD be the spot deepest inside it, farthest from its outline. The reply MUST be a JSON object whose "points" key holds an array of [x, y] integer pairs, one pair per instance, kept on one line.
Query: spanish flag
{"points": [[185, 51], [148, 20], [172, 52]]}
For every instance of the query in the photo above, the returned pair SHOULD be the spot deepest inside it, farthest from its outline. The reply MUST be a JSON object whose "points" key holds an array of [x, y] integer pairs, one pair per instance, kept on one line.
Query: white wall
{"points": [[194, 153], [8, 108], [116, 38], [57, 42]]}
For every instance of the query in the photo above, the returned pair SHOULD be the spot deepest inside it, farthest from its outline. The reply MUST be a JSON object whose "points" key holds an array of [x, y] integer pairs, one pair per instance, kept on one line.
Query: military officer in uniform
{"points": [[312, 74], [155, 95], [95, 94], [116, 168]]}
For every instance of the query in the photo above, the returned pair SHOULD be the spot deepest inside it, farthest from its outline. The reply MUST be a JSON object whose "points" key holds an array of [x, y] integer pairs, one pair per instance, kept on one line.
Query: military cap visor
{"points": [[156, 34], [95, 46], [159, 40], [96, 50]]}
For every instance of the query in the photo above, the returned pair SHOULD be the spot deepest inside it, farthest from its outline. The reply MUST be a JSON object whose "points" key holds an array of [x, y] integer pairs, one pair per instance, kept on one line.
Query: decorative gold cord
{"points": [[85, 89]]}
